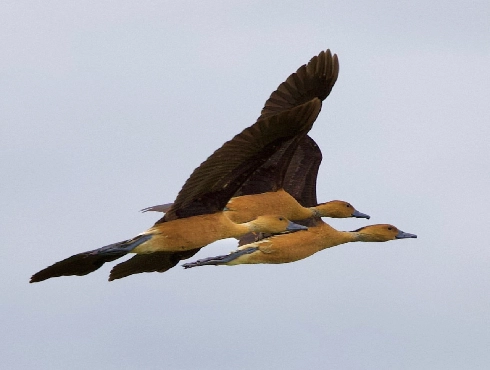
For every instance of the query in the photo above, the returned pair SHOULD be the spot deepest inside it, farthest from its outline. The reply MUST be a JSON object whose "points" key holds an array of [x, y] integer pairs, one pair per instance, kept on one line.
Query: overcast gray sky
{"points": [[107, 107]]}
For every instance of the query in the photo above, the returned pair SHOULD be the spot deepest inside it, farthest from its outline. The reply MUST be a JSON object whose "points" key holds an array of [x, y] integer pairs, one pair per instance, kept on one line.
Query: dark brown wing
{"points": [[299, 181], [298, 172], [217, 179], [301, 175], [270, 176], [312, 80]]}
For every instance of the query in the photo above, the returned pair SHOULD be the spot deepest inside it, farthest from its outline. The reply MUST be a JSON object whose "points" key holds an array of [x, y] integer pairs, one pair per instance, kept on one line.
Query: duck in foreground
{"points": [[300, 245]]}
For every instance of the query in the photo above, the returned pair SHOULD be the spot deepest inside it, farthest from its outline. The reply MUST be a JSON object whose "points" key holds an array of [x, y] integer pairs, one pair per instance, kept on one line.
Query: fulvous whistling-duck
{"points": [[294, 247], [302, 244]]}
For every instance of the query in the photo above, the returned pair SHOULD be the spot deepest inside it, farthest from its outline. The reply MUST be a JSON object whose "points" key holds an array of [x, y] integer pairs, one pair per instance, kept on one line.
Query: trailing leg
{"points": [[221, 260]]}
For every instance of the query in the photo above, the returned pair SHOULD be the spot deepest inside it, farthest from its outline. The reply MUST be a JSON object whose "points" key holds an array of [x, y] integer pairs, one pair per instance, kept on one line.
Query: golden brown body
{"points": [[197, 231], [247, 207], [299, 246], [302, 244]]}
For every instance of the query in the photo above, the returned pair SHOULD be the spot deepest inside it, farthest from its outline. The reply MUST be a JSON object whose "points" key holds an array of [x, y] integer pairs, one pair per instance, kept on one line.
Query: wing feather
{"points": [[313, 80], [217, 179]]}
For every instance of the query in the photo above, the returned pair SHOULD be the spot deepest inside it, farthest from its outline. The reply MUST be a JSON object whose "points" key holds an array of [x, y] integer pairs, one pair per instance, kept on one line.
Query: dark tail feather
{"points": [[87, 262], [220, 260], [151, 262]]}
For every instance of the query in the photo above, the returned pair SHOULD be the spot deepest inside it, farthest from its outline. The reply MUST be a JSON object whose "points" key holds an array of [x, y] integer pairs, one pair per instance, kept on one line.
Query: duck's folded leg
{"points": [[220, 260]]}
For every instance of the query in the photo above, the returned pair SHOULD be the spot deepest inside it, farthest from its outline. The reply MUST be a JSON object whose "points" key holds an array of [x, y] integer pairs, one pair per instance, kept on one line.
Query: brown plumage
{"points": [[297, 246], [186, 233], [247, 207], [206, 192]]}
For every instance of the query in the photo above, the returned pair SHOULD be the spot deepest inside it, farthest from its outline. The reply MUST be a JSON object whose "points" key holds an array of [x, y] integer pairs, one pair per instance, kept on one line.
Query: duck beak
{"points": [[295, 227], [358, 214], [402, 235]]}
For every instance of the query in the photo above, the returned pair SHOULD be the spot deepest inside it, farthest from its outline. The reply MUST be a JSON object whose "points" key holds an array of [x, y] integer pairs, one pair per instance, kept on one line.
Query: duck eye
{"points": [[348, 205], [281, 219], [390, 228]]}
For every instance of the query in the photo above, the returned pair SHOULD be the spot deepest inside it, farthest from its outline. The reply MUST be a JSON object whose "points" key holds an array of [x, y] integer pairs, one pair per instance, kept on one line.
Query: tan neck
{"points": [[238, 230], [228, 228], [302, 213], [297, 211], [342, 237], [332, 237], [312, 212], [364, 237]]}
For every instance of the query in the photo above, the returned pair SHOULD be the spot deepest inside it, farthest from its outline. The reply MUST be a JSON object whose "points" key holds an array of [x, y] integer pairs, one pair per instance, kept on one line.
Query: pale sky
{"points": [[107, 107]]}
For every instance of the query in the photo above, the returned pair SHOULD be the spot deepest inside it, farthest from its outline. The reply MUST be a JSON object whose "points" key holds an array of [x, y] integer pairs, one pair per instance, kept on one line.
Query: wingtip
{"points": [[41, 276]]}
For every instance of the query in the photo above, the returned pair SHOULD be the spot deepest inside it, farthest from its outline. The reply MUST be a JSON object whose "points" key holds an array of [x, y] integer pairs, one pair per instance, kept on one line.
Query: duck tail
{"points": [[220, 260], [158, 208], [87, 262]]}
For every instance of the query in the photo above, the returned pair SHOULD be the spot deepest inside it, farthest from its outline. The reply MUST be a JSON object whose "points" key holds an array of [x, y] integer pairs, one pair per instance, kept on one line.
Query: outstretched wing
{"points": [[270, 176], [299, 181], [301, 175], [217, 179], [312, 80]]}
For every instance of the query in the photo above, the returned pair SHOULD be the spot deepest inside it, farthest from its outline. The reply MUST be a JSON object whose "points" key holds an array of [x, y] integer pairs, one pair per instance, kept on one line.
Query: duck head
{"points": [[338, 209], [275, 224], [381, 233]]}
